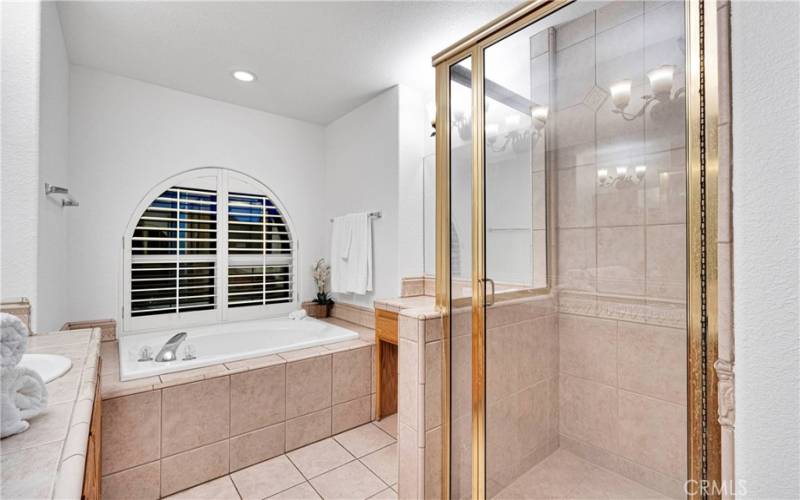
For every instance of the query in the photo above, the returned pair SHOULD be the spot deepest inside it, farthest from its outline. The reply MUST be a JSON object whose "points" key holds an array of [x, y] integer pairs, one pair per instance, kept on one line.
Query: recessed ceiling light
{"points": [[244, 76]]}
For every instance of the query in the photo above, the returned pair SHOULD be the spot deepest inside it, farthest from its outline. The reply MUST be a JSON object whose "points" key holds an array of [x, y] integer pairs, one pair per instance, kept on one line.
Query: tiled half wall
{"points": [[179, 433]]}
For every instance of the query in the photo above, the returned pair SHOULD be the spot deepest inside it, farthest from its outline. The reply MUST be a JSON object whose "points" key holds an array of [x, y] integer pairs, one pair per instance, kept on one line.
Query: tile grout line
{"points": [[384, 431], [230, 478], [309, 478], [375, 472]]}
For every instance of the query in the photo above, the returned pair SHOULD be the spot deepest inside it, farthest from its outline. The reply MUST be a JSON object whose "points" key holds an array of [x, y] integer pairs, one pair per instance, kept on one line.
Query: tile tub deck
{"points": [[167, 433]]}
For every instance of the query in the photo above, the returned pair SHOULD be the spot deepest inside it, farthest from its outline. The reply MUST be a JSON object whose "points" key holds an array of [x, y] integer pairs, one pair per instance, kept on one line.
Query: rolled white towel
{"points": [[298, 314], [10, 419], [13, 340], [26, 389]]}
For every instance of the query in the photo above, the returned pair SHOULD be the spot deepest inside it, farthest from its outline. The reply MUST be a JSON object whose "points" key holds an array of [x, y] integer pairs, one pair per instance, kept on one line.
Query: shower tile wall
{"points": [[521, 388], [522, 392], [620, 270]]}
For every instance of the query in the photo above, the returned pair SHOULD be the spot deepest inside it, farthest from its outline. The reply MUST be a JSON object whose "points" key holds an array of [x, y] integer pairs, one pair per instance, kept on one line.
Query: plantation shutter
{"points": [[173, 254], [260, 263]]}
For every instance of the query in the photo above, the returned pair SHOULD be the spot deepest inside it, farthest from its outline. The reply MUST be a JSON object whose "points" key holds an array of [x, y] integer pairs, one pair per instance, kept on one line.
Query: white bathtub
{"points": [[225, 342]]}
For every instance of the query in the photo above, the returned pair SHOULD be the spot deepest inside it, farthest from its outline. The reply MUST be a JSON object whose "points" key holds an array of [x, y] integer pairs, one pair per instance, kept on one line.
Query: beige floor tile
{"points": [[267, 478], [320, 457], [302, 491], [607, 484], [389, 425], [222, 489], [363, 440], [565, 475], [383, 463], [349, 482], [387, 494]]}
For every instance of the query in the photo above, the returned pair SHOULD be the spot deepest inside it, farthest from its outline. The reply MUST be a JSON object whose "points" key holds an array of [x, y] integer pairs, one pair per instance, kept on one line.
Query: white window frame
{"points": [[221, 312]]}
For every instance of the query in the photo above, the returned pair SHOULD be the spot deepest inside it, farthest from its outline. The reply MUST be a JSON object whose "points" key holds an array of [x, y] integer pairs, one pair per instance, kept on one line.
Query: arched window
{"points": [[207, 246]]}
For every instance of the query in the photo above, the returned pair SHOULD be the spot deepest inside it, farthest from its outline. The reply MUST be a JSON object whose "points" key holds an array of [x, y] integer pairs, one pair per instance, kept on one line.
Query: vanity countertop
{"points": [[398, 304], [47, 460]]}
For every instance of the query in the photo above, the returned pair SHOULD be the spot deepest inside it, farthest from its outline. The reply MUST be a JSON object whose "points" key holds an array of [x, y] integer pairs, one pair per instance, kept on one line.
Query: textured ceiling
{"points": [[315, 61]]}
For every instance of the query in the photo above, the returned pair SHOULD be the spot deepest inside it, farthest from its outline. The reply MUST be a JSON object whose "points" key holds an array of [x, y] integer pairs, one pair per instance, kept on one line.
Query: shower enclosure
{"points": [[576, 224]]}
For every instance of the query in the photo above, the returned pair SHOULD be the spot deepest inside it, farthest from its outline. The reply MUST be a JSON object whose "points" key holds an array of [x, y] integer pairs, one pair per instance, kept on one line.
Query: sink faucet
{"points": [[169, 351]]}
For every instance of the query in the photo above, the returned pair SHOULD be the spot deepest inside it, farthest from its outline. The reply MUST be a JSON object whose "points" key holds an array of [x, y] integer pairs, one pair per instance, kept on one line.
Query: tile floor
{"points": [[565, 475], [362, 463], [357, 464]]}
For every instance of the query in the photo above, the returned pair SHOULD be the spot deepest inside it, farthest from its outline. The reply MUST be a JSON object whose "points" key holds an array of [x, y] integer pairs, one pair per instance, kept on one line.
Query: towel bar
{"points": [[67, 201], [373, 215]]}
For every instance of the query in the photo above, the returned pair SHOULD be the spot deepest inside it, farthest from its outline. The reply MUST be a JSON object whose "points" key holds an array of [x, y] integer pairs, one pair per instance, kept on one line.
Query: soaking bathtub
{"points": [[220, 343]]}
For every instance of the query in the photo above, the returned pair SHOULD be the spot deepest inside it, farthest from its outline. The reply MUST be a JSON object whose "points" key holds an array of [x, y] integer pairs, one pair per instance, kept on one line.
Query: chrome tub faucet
{"points": [[170, 350]]}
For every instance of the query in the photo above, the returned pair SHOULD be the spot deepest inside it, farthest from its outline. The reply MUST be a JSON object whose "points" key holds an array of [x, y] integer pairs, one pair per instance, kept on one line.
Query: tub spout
{"points": [[169, 351]]}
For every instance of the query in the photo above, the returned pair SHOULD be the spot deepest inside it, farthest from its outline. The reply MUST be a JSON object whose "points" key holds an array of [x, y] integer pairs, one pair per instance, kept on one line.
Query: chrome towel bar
{"points": [[67, 200], [372, 215]]}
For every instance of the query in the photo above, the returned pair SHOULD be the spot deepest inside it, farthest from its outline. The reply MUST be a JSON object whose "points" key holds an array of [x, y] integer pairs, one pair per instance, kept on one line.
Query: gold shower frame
{"points": [[702, 116]]}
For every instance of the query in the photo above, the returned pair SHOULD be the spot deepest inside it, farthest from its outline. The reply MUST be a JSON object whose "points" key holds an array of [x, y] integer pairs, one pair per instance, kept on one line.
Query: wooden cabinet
{"points": [[385, 363], [92, 469]]}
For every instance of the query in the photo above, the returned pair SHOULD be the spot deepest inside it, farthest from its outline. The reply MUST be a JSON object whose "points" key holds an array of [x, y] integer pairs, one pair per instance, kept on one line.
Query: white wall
{"points": [[19, 181], [766, 221], [51, 307], [411, 150], [126, 136], [361, 174]]}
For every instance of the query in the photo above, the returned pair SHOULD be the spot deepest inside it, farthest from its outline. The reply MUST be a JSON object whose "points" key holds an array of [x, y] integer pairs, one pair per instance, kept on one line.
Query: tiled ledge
{"points": [[354, 314], [47, 460], [421, 302], [418, 285], [172, 432]]}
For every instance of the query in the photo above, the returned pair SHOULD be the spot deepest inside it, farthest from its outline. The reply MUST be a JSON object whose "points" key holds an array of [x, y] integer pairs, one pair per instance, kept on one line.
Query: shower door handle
{"points": [[486, 301]]}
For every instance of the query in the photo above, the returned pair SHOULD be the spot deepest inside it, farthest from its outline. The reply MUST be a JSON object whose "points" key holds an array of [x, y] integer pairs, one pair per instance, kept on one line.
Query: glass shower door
{"points": [[584, 128], [580, 163], [461, 271], [521, 339]]}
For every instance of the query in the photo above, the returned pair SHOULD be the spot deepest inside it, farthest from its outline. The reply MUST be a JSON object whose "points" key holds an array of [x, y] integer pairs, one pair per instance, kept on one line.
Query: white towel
{"points": [[23, 395], [13, 340], [359, 265], [351, 254], [341, 237], [298, 314], [26, 389], [10, 420]]}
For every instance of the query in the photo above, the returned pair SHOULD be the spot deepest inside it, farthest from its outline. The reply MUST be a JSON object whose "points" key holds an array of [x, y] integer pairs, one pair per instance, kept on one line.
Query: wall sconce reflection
{"points": [[661, 83], [462, 122], [430, 110], [622, 178], [519, 140]]}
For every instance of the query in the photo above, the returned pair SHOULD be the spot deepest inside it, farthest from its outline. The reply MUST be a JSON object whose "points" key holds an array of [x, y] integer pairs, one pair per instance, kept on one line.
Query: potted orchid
{"points": [[321, 305]]}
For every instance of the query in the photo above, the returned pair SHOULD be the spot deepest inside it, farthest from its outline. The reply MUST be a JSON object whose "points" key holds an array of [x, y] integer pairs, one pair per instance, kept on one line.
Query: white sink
{"points": [[48, 366]]}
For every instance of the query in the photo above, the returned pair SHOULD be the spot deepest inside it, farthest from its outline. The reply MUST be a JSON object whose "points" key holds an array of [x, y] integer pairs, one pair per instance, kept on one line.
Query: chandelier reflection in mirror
{"points": [[519, 138], [661, 100]]}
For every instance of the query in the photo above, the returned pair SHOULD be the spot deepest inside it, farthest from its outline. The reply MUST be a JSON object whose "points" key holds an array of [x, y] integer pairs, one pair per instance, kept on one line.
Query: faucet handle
{"points": [[189, 352], [145, 353]]}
